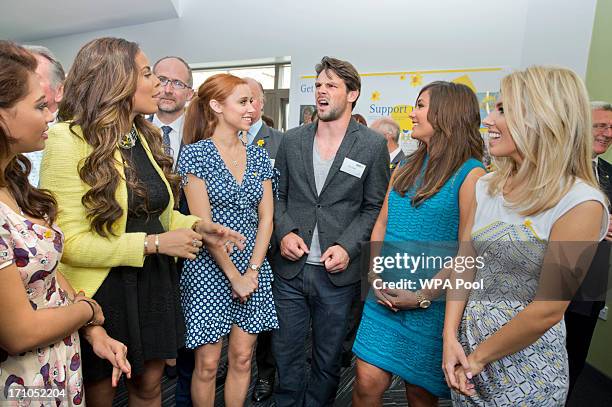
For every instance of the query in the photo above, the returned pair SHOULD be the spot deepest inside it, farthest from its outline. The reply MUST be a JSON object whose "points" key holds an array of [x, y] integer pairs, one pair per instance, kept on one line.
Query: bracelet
{"points": [[93, 312], [156, 244], [146, 246]]}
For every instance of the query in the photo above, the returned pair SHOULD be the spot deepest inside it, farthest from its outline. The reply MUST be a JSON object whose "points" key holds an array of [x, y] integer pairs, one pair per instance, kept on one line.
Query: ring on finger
{"points": [[194, 243]]}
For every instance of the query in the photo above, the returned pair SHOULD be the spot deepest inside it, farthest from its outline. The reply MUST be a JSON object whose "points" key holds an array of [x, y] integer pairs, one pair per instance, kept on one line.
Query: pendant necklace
{"points": [[234, 161]]}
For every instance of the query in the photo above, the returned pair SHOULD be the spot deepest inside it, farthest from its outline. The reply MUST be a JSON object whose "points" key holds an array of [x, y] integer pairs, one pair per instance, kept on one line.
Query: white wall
{"points": [[375, 36]]}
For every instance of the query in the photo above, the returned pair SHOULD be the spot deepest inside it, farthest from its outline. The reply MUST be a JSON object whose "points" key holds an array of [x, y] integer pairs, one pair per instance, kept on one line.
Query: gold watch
{"points": [[422, 301], [254, 267]]}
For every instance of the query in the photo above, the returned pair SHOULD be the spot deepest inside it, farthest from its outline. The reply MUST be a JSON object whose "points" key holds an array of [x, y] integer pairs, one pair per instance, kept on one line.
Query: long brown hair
{"points": [[455, 117], [98, 96], [16, 67], [200, 119]]}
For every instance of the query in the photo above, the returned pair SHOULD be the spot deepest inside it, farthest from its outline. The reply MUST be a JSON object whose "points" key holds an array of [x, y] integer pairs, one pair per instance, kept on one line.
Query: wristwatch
{"points": [[422, 301], [254, 267]]}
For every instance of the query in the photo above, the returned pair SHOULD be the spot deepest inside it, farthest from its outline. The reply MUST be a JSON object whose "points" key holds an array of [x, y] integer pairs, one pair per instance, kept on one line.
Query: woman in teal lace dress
{"points": [[429, 195]]}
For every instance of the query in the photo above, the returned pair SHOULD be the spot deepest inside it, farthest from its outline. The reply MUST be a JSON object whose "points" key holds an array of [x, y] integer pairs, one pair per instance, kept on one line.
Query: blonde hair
{"points": [[549, 118]]}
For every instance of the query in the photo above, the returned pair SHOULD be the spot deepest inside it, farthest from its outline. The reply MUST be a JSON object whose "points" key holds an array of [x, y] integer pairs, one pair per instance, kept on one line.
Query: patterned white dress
{"points": [[513, 249], [36, 250]]}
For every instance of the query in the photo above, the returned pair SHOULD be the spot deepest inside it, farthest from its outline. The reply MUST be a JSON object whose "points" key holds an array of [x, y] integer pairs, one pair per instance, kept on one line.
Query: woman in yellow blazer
{"points": [[115, 191]]}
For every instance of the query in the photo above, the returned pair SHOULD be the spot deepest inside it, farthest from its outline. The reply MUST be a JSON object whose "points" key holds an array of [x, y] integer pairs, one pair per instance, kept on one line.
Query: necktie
{"points": [[166, 139]]}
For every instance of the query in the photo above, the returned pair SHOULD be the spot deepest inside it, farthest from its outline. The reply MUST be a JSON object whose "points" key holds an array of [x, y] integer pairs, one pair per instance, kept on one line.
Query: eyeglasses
{"points": [[175, 83], [601, 126]]}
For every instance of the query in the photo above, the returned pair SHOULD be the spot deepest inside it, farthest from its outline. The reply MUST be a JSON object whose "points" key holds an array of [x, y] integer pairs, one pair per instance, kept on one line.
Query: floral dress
{"points": [[36, 250]]}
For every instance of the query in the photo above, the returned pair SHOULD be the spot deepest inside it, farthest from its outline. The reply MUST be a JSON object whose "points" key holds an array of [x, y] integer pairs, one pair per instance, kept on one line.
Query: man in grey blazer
{"points": [[334, 175]]}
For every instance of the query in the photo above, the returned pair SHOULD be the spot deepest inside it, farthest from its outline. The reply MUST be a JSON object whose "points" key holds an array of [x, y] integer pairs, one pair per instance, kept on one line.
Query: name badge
{"points": [[272, 162], [353, 167]]}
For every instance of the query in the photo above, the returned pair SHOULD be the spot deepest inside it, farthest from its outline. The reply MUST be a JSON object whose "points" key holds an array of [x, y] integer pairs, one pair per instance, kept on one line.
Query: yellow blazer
{"points": [[88, 257]]}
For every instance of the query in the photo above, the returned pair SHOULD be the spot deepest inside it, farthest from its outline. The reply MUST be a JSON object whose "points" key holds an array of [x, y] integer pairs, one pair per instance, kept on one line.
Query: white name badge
{"points": [[352, 167], [272, 162]]}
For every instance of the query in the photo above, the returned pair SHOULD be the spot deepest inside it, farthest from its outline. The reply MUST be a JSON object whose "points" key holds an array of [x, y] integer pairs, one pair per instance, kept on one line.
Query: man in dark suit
{"points": [[333, 177], [176, 80], [581, 315], [390, 130], [261, 135]]}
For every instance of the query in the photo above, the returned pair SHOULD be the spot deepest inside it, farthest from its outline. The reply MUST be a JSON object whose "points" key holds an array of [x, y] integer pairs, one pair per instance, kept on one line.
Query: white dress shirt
{"points": [[253, 130], [596, 168], [394, 153], [35, 158]]}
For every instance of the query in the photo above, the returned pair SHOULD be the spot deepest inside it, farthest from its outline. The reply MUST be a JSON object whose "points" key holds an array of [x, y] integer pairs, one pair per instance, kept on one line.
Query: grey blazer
{"points": [[271, 138], [347, 207]]}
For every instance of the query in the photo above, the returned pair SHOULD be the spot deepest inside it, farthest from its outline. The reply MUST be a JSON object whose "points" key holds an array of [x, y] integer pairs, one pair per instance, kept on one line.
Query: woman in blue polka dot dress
{"points": [[226, 291]]}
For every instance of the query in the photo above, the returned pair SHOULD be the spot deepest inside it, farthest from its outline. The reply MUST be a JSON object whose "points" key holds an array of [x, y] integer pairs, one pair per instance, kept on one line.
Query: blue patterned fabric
{"points": [[515, 247], [206, 293], [409, 343], [537, 375]]}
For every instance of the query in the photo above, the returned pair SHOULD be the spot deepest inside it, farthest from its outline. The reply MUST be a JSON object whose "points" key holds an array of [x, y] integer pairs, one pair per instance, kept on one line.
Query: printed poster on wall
{"points": [[393, 94]]}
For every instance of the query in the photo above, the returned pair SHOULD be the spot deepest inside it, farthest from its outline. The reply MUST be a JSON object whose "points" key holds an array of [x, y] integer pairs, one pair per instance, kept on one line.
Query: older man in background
{"points": [[582, 313], [260, 134], [390, 130], [51, 74], [176, 81]]}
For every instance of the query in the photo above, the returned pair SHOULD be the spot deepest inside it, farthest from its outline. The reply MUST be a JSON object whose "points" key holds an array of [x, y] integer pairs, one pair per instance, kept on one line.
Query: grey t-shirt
{"points": [[321, 169]]}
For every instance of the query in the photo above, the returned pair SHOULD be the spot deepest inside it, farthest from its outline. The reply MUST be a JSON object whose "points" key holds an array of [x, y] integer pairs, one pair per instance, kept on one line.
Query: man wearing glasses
{"points": [[176, 82], [582, 312]]}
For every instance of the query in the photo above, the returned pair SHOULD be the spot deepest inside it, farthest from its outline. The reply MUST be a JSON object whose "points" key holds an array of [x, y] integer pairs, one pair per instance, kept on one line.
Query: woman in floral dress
{"points": [[40, 313]]}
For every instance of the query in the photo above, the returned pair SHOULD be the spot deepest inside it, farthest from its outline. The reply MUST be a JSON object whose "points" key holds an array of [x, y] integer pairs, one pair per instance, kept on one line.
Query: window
{"points": [[275, 79], [262, 74]]}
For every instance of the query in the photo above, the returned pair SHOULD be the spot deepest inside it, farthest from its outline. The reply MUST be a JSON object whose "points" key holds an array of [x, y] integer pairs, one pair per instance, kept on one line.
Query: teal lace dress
{"points": [[409, 343]]}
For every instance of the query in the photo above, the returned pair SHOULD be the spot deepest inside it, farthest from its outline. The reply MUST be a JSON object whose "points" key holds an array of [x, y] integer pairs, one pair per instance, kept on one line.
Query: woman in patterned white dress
{"points": [[39, 312], [231, 184], [542, 196]]}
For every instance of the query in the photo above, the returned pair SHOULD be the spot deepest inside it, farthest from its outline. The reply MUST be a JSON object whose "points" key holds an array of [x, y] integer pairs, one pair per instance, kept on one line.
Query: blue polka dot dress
{"points": [[206, 293]]}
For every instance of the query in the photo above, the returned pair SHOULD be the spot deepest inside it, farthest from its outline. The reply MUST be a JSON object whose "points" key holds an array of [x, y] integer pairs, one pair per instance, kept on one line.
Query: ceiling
{"points": [[30, 20]]}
